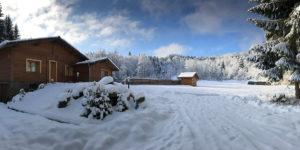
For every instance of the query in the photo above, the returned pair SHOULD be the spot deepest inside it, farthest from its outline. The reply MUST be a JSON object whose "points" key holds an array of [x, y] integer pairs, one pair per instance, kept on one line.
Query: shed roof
{"points": [[92, 61], [12, 42], [187, 74]]}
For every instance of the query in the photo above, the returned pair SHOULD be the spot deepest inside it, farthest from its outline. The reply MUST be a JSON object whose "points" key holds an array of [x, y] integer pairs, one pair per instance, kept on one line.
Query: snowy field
{"points": [[214, 115]]}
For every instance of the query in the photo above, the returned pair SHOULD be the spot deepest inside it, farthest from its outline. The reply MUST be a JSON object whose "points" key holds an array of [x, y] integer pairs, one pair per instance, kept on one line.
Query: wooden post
{"points": [[128, 82], [297, 90]]}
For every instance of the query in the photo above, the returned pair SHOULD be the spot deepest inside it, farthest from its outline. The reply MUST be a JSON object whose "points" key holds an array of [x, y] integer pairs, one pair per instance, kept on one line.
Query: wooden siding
{"points": [[189, 81], [83, 73], [98, 67], [92, 72], [4, 91], [5, 65], [43, 51]]}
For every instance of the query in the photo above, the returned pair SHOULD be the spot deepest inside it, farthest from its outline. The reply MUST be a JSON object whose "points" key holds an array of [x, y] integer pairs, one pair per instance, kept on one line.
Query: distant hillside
{"points": [[222, 67]]}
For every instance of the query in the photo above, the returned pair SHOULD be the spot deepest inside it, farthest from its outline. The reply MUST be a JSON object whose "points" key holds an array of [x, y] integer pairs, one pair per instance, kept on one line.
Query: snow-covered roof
{"points": [[187, 74], [9, 42], [2, 44], [92, 61]]}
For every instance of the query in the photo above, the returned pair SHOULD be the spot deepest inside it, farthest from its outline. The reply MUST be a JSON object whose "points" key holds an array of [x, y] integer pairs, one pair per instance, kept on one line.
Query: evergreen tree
{"points": [[2, 27], [1, 13], [16, 32], [9, 28], [279, 53], [241, 63]]}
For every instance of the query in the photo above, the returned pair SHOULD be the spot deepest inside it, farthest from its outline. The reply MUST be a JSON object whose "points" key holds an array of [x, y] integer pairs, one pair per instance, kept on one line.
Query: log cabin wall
{"points": [[5, 65], [186, 81], [97, 69], [43, 52], [83, 70], [14, 59], [5, 74], [189, 81]]}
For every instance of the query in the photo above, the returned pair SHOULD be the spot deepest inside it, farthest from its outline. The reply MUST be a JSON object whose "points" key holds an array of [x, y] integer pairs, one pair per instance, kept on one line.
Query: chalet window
{"points": [[68, 71], [33, 65], [104, 74]]}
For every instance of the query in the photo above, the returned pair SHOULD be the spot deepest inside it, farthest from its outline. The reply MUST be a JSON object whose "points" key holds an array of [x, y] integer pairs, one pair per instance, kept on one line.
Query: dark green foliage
{"points": [[121, 105], [65, 99], [113, 98], [16, 32], [279, 52], [278, 9], [8, 31], [2, 27], [63, 104], [97, 104], [9, 28]]}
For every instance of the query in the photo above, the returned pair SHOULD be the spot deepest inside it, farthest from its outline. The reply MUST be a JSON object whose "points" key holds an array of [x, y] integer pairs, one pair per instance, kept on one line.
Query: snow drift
{"points": [[71, 102]]}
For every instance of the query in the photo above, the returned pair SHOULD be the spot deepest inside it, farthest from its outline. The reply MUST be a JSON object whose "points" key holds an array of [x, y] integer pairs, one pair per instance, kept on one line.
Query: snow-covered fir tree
{"points": [[2, 26], [16, 32], [9, 28], [208, 68], [96, 102], [279, 53], [145, 67], [8, 31]]}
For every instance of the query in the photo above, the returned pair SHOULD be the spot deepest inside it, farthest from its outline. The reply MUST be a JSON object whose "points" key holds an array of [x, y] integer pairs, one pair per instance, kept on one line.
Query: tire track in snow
{"points": [[247, 130], [221, 122]]}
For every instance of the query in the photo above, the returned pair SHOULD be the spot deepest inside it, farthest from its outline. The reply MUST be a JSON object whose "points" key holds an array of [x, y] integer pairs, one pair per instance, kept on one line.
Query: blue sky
{"points": [[154, 27]]}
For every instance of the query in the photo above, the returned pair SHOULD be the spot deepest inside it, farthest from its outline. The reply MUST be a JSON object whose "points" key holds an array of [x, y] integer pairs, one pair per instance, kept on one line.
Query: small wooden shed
{"points": [[188, 78], [95, 69]]}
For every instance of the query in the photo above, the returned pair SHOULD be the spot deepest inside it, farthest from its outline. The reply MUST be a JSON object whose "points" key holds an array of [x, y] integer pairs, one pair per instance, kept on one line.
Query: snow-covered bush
{"points": [[41, 86], [279, 98], [122, 103], [104, 97], [106, 80], [100, 99], [139, 99], [96, 102], [65, 98], [19, 96], [78, 91]]}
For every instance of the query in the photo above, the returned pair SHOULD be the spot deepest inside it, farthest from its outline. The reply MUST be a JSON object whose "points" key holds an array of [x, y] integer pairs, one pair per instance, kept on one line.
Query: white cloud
{"points": [[118, 42], [107, 31], [38, 18], [210, 17], [173, 48]]}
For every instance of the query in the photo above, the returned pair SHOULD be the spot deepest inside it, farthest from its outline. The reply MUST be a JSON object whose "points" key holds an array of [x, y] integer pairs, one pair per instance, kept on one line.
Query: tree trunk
{"points": [[297, 90]]}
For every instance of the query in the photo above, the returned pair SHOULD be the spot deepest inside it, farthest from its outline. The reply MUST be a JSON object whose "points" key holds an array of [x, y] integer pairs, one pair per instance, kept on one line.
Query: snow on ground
{"points": [[214, 115]]}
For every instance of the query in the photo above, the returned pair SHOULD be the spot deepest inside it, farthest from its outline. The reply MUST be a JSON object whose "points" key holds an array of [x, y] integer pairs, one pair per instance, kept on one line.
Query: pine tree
{"points": [[8, 28], [2, 27], [241, 63], [281, 50], [16, 32]]}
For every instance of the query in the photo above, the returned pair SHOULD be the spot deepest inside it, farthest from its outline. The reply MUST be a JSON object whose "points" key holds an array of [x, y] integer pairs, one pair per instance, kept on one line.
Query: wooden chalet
{"points": [[188, 78], [27, 63]]}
